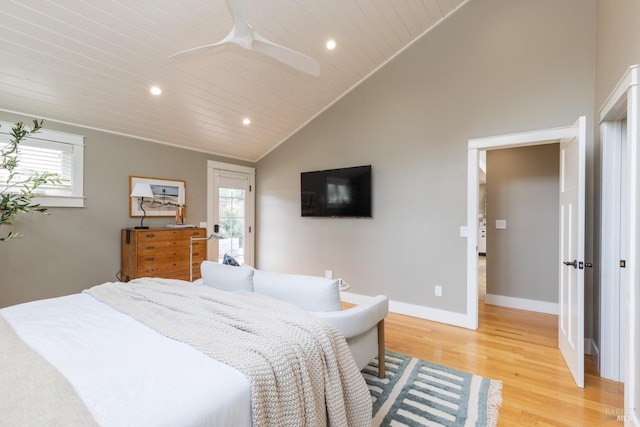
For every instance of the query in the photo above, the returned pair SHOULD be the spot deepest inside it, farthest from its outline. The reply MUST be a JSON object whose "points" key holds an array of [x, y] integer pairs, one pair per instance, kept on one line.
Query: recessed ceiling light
{"points": [[155, 90], [246, 121], [331, 44]]}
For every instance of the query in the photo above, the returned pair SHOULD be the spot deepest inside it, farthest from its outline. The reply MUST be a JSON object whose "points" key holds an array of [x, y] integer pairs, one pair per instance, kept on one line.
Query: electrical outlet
{"points": [[328, 274], [438, 291]]}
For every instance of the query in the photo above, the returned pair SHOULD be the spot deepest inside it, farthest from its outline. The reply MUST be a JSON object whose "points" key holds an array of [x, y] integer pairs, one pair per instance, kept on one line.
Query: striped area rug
{"points": [[420, 393]]}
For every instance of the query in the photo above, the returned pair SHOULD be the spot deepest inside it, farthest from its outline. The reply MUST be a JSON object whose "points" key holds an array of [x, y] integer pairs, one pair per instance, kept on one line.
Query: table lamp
{"points": [[142, 190]]}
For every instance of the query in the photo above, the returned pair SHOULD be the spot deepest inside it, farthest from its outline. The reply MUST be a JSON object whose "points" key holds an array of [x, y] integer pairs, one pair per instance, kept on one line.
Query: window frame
{"points": [[76, 199]]}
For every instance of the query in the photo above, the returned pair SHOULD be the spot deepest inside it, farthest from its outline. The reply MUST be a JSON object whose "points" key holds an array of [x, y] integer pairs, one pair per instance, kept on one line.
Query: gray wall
{"points": [[523, 189], [494, 67], [618, 43], [74, 248]]}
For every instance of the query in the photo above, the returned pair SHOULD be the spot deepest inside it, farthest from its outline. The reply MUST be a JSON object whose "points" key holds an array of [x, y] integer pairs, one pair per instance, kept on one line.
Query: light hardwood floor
{"points": [[518, 348]]}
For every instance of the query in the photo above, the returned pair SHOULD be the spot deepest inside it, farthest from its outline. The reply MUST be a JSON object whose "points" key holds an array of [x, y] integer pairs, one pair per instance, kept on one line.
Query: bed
{"points": [[127, 371]]}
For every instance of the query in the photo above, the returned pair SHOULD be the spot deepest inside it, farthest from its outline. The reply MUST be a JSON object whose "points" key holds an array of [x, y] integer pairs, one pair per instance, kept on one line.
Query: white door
{"points": [[572, 186], [231, 214]]}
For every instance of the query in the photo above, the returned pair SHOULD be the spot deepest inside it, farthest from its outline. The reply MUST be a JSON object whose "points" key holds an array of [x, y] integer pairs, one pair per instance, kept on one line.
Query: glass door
{"points": [[231, 217], [231, 214]]}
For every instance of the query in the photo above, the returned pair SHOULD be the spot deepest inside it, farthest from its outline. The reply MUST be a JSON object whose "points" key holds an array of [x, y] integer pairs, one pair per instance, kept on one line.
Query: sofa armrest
{"points": [[359, 319]]}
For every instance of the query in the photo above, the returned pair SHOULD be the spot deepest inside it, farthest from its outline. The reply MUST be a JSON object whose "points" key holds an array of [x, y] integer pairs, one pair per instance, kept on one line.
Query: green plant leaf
{"points": [[17, 193]]}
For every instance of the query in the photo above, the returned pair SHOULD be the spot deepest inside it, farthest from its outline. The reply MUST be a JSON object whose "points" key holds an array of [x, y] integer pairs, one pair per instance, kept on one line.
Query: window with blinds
{"points": [[50, 151]]}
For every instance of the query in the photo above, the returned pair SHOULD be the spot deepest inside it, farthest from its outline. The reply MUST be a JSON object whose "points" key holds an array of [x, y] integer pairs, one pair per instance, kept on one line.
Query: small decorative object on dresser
{"points": [[162, 252]]}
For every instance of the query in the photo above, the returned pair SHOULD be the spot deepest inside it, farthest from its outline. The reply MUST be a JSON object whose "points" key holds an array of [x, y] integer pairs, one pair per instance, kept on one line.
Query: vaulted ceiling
{"points": [[92, 62]]}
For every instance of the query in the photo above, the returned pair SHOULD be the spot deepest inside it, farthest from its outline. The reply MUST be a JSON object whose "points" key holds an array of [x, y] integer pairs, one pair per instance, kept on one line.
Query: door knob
{"points": [[574, 264]]}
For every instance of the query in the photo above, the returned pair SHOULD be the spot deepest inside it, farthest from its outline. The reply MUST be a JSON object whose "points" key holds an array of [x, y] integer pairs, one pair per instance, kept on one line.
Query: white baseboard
{"points": [[522, 304], [461, 320], [420, 311]]}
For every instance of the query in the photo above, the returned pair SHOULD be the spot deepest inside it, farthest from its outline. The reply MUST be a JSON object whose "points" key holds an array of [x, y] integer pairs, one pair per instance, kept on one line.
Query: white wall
{"points": [[494, 67]]}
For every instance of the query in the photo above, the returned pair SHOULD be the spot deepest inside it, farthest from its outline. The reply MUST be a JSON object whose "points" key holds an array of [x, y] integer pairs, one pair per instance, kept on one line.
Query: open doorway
{"points": [[519, 218], [482, 225], [571, 261], [475, 148]]}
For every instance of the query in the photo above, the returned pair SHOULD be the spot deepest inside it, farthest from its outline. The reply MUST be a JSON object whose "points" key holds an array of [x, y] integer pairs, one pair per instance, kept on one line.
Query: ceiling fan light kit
{"points": [[243, 35]]}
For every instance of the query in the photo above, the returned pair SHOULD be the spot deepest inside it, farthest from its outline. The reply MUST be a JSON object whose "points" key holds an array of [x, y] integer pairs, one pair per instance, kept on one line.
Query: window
{"points": [[51, 151]]}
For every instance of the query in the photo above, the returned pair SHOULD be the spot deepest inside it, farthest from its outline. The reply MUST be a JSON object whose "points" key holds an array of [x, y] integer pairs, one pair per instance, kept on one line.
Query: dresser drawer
{"points": [[159, 252], [158, 257], [161, 245]]}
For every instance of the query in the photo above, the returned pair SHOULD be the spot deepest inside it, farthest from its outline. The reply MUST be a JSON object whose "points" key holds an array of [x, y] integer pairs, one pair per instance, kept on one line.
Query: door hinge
{"points": [[249, 229], [250, 187], [623, 263]]}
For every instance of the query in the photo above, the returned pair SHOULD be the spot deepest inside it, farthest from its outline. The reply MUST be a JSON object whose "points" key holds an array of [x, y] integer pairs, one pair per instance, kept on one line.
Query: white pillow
{"points": [[226, 277], [307, 292]]}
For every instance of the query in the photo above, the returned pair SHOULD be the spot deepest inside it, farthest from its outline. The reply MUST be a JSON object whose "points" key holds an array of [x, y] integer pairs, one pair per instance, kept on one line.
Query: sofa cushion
{"points": [[307, 292], [226, 277]]}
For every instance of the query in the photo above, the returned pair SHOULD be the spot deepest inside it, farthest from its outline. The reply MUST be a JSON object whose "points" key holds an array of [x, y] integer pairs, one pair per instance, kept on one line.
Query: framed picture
{"points": [[167, 196]]}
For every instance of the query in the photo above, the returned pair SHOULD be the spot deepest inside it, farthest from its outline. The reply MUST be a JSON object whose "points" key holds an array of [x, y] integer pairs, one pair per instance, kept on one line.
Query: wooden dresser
{"points": [[161, 252]]}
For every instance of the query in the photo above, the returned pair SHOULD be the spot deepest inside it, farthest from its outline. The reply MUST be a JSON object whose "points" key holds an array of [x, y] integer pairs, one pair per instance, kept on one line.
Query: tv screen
{"points": [[336, 192]]}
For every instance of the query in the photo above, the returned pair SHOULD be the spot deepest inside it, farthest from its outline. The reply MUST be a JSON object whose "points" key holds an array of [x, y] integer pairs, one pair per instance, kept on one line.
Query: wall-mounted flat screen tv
{"points": [[342, 192]]}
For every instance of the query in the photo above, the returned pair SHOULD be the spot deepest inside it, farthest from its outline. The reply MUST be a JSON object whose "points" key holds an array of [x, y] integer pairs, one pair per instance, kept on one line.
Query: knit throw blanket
{"points": [[300, 368], [33, 393]]}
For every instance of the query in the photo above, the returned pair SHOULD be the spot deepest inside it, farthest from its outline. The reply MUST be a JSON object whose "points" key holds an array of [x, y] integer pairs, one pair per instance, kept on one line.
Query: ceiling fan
{"points": [[246, 37]]}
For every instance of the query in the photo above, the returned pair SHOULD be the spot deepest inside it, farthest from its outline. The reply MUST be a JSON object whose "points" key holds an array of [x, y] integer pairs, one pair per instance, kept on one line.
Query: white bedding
{"points": [[126, 373]]}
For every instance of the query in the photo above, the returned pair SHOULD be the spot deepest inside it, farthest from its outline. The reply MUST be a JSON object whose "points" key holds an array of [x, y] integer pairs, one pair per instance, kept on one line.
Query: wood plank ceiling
{"points": [[91, 63]]}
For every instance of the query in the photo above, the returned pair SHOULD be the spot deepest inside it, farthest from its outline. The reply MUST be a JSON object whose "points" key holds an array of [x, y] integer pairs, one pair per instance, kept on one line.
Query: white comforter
{"points": [[126, 373]]}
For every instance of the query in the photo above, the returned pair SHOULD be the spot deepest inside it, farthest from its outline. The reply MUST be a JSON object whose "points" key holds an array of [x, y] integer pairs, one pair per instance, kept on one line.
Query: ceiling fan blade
{"points": [[196, 50], [244, 36], [285, 55], [207, 47], [240, 13]]}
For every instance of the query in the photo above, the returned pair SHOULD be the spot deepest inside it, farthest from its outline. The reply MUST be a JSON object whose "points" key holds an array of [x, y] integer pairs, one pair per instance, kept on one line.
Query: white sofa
{"points": [[362, 325]]}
